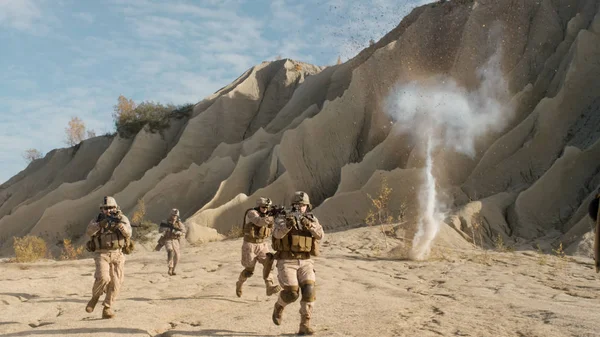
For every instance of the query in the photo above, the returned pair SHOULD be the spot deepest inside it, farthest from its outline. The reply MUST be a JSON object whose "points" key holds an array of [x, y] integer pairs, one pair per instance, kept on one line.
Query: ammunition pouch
{"points": [[316, 248], [255, 234], [296, 244], [129, 246], [90, 246]]}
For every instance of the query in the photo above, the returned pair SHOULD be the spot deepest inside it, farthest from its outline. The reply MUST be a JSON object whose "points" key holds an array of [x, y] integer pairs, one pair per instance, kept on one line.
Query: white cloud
{"points": [[175, 52], [85, 17], [287, 16], [150, 27], [20, 14]]}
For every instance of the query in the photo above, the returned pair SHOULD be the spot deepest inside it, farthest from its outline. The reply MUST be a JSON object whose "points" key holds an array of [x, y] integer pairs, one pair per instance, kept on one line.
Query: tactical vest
{"points": [[169, 234], [296, 244], [253, 233], [108, 240]]}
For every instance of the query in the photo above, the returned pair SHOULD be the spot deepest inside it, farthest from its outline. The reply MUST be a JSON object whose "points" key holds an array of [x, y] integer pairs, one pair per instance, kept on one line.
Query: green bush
{"points": [[155, 115]]}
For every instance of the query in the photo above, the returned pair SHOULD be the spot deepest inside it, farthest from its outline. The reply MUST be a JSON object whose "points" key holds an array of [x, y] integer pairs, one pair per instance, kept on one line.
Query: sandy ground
{"points": [[457, 293]]}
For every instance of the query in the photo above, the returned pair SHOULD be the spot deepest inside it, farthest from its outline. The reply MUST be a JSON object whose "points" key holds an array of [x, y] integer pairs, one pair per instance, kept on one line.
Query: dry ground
{"points": [[457, 293]]}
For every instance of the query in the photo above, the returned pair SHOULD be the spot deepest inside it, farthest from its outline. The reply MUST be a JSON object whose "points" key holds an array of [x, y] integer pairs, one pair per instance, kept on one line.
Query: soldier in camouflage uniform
{"points": [[173, 230], [257, 227], [110, 233], [295, 238]]}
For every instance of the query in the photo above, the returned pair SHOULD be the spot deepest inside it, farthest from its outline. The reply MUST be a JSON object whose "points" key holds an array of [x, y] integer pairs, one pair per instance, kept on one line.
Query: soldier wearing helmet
{"points": [[296, 236], [110, 233], [257, 227], [173, 230]]}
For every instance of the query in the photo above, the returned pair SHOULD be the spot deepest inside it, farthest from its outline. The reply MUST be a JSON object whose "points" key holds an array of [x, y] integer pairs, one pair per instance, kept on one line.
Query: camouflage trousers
{"points": [[173, 252], [255, 252], [109, 275], [294, 275]]}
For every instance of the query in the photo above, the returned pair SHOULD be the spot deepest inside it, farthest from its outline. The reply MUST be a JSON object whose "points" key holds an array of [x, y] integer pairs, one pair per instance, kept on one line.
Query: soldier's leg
{"points": [[306, 278], [287, 276], [266, 258], [117, 267], [101, 279], [170, 255], [176, 254], [249, 263]]}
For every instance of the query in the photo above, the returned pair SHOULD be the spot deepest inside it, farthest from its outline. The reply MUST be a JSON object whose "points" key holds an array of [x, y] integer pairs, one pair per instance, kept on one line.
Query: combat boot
{"points": [[107, 313], [277, 314], [92, 304], [173, 272], [238, 288], [272, 289], [170, 272], [305, 328]]}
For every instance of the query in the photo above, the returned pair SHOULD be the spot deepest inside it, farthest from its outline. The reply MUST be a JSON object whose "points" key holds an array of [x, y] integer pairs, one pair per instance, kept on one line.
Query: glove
{"points": [[103, 223], [307, 223], [290, 222]]}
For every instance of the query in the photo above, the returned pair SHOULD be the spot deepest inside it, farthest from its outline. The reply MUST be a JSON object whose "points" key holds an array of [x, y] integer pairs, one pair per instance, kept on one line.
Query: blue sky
{"points": [[64, 58]]}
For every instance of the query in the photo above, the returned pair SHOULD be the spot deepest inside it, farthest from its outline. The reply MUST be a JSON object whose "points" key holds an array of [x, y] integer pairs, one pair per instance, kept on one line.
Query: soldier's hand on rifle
{"points": [[290, 221], [307, 223]]}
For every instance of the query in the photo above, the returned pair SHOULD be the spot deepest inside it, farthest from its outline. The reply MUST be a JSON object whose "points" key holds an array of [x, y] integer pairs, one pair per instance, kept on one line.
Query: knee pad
{"points": [[309, 293], [289, 294], [248, 273]]}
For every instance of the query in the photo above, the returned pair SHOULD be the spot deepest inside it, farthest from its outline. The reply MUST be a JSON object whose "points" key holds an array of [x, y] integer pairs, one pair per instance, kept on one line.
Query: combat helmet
{"points": [[108, 202], [301, 197], [263, 202]]}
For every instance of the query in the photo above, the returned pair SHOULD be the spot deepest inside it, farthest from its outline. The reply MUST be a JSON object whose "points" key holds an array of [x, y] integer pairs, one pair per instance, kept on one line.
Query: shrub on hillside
{"points": [[130, 118], [29, 248]]}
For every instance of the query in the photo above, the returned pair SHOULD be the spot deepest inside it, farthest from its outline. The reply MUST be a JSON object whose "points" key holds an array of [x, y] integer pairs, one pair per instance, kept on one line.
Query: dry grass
{"points": [[29, 248], [235, 232], [140, 233], [71, 252]]}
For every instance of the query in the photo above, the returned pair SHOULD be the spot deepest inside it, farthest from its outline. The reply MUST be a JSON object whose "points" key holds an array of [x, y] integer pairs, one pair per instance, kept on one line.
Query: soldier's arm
{"points": [[92, 228], [125, 226], [181, 231], [255, 218], [316, 229], [280, 229]]}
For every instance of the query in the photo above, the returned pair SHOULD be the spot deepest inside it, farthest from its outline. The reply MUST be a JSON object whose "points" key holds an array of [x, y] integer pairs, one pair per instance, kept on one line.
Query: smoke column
{"points": [[439, 113]]}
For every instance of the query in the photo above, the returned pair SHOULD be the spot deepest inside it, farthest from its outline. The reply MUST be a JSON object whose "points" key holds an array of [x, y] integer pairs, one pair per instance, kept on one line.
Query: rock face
{"points": [[286, 125]]}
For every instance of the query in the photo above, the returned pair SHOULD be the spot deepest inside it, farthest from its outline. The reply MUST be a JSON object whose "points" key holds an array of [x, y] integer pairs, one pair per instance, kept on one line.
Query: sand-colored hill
{"points": [[525, 173]]}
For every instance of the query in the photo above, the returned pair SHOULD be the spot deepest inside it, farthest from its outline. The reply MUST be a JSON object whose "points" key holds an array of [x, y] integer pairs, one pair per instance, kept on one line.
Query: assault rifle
{"points": [[108, 221], [170, 226], [297, 215], [275, 210]]}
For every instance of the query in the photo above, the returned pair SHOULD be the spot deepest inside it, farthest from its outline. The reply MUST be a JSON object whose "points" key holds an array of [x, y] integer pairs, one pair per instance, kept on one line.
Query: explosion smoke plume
{"points": [[439, 113]]}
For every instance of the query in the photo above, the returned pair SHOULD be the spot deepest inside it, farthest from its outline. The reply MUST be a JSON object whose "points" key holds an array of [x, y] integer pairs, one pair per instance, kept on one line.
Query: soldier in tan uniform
{"points": [[110, 232], [295, 238], [173, 230], [258, 225]]}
